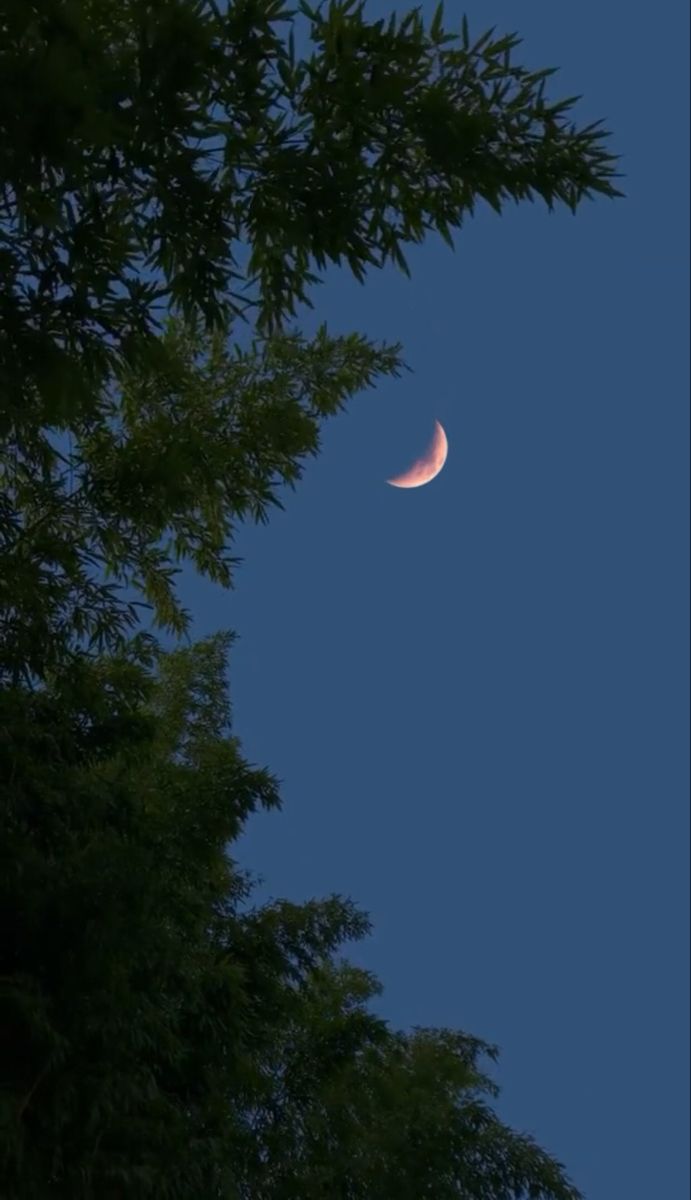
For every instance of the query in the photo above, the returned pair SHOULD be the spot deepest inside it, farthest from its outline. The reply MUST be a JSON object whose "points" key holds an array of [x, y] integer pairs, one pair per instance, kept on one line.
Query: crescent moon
{"points": [[428, 467]]}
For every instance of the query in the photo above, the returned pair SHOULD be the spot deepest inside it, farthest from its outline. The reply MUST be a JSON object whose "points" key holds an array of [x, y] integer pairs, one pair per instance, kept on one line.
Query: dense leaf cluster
{"points": [[195, 440], [386, 131], [143, 147], [162, 1037]]}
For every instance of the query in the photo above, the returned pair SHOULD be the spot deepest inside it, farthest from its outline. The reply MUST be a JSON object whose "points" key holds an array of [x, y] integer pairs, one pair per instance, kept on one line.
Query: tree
{"points": [[163, 135], [160, 472], [356, 1110], [163, 1038], [385, 132], [134, 988]]}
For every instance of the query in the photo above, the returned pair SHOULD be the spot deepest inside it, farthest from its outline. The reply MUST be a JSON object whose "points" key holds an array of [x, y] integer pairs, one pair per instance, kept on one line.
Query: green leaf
{"points": [[464, 32], [554, 109], [286, 74], [444, 231], [436, 27]]}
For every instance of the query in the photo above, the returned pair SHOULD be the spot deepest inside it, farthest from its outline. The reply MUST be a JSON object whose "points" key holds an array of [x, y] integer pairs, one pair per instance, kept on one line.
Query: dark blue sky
{"points": [[476, 693]]}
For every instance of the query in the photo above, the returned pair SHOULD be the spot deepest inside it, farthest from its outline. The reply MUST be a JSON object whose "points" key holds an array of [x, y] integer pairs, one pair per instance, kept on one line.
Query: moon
{"points": [[428, 467]]}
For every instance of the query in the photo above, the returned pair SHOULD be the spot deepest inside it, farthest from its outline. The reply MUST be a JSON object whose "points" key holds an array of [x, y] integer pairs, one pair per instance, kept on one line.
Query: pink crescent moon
{"points": [[426, 468]]}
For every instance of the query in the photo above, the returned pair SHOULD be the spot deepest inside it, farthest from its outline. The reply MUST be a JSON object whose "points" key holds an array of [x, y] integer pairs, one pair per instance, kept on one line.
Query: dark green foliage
{"points": [[385, 130], [164, 135], [194, 441], [161, 1038]]}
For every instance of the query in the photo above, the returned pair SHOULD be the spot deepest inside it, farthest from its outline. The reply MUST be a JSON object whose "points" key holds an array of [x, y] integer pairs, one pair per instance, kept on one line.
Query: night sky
{"points": [[475, 693]]}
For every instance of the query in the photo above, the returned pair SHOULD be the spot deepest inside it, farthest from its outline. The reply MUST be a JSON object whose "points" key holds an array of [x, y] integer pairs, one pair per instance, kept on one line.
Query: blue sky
{"points": [[476, 693]]}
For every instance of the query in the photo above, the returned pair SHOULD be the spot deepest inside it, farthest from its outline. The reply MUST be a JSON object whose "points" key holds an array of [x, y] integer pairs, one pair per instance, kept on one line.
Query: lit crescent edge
{"points": [[424, 469]]}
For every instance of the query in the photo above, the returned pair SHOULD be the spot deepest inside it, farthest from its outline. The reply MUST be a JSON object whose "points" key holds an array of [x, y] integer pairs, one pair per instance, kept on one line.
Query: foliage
{"points": [[386, 130], [162, 136], [163, 470], [161, 1037], [353, 1109]]}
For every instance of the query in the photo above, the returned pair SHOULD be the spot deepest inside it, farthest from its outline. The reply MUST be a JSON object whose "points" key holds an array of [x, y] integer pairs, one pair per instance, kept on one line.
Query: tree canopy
{"points": [[387, 130], [144, 147], [161, 472], [164, 1037]]}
